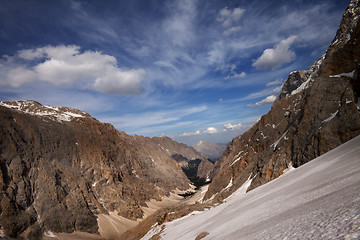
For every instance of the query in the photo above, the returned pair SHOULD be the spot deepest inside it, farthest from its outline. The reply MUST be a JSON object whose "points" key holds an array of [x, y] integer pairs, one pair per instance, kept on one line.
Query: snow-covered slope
{"points": [[319, 200]]}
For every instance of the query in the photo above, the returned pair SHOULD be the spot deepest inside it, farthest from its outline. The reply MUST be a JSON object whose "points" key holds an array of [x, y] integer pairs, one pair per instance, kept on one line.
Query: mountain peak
{"points": [[59, 114]]}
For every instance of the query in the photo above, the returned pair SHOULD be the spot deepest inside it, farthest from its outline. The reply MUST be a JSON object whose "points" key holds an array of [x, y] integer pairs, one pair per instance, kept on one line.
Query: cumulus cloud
{"points": [[229, 16], [190, 133], [267, 100], [211, 130], [273, 58], [66, 65], [229, 126]]}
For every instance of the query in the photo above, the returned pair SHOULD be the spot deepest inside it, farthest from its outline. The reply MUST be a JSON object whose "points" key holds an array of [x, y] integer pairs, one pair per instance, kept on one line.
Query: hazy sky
{"points": [[189, 69]]}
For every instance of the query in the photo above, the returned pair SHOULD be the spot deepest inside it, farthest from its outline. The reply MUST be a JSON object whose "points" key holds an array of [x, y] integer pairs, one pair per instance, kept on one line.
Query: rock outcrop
{"points": [[60, 168], [317, 110]]}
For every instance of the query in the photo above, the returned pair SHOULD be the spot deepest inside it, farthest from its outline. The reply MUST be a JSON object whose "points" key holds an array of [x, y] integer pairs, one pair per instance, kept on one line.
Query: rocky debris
{"points": [[58, 173], [211, 150], [316, 111]]}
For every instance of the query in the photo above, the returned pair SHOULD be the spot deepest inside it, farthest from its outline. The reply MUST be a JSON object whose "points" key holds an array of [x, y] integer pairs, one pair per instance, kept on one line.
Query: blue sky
{"points": [[189, 69]]}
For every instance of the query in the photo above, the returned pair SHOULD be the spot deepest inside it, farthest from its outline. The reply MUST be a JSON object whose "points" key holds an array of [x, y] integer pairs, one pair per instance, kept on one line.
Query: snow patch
{"points": [[289, 168], [155, 229], [349, 74], [229, 185], [331, 117], [301, 87], [36, 109], [49, 234], [262, 134]]}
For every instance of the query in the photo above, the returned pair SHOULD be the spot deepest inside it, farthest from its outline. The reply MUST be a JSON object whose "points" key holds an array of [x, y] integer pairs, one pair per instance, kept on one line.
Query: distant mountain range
{"points": [[211, 150]]}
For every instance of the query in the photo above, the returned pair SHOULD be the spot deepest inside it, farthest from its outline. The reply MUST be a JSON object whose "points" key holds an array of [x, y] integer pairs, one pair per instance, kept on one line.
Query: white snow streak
{"points": [[331, 117], [301, 87], [237, 158], [277, 141], [349, 74]]}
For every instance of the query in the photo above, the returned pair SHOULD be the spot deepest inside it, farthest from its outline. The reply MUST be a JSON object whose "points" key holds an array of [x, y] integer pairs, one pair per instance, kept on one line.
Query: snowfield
{"points": [[319, 200]]}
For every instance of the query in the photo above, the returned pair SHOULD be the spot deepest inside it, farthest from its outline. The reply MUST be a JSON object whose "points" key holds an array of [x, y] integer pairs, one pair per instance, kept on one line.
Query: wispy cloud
{"points": [[267, 100], [229, 16], [136, 121], [275, 82]]}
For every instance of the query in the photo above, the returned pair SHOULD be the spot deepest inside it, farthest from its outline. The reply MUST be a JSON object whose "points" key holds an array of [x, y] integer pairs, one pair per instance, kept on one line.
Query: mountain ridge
{"points": [[61, 168], [316, 111]]}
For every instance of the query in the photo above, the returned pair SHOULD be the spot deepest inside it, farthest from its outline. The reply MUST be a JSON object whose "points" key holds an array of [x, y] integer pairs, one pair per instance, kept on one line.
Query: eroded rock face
{"points": [[343, 54], [317, 110], [60, 167]]}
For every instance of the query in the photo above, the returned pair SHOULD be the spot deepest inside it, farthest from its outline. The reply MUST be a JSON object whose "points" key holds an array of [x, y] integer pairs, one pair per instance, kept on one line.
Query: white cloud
{"points": [[190, 133], [273, 58], [179, 26], [211, 130], [121, 82], [275, 82], [18, 76], [267, 100], [236, 75], [66, 65], [229, 126], [232, 30], [228, 17]]}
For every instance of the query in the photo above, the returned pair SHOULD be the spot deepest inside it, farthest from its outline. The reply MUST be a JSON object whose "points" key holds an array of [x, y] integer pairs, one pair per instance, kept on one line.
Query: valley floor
{"points": [[319, 200]]}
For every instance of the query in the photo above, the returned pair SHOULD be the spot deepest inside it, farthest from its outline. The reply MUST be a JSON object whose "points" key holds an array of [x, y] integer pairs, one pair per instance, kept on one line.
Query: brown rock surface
{"points": [[60, 168]]}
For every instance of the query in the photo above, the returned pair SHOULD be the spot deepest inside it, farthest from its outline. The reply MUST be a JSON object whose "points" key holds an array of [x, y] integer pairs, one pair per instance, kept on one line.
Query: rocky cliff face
{"points": [[317, 110], [60, 168]]}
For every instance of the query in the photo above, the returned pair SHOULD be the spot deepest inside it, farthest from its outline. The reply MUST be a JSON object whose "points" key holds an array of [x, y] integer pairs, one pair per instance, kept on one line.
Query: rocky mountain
{"points": [[61, 168], [317, 110], [211, 150]]}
